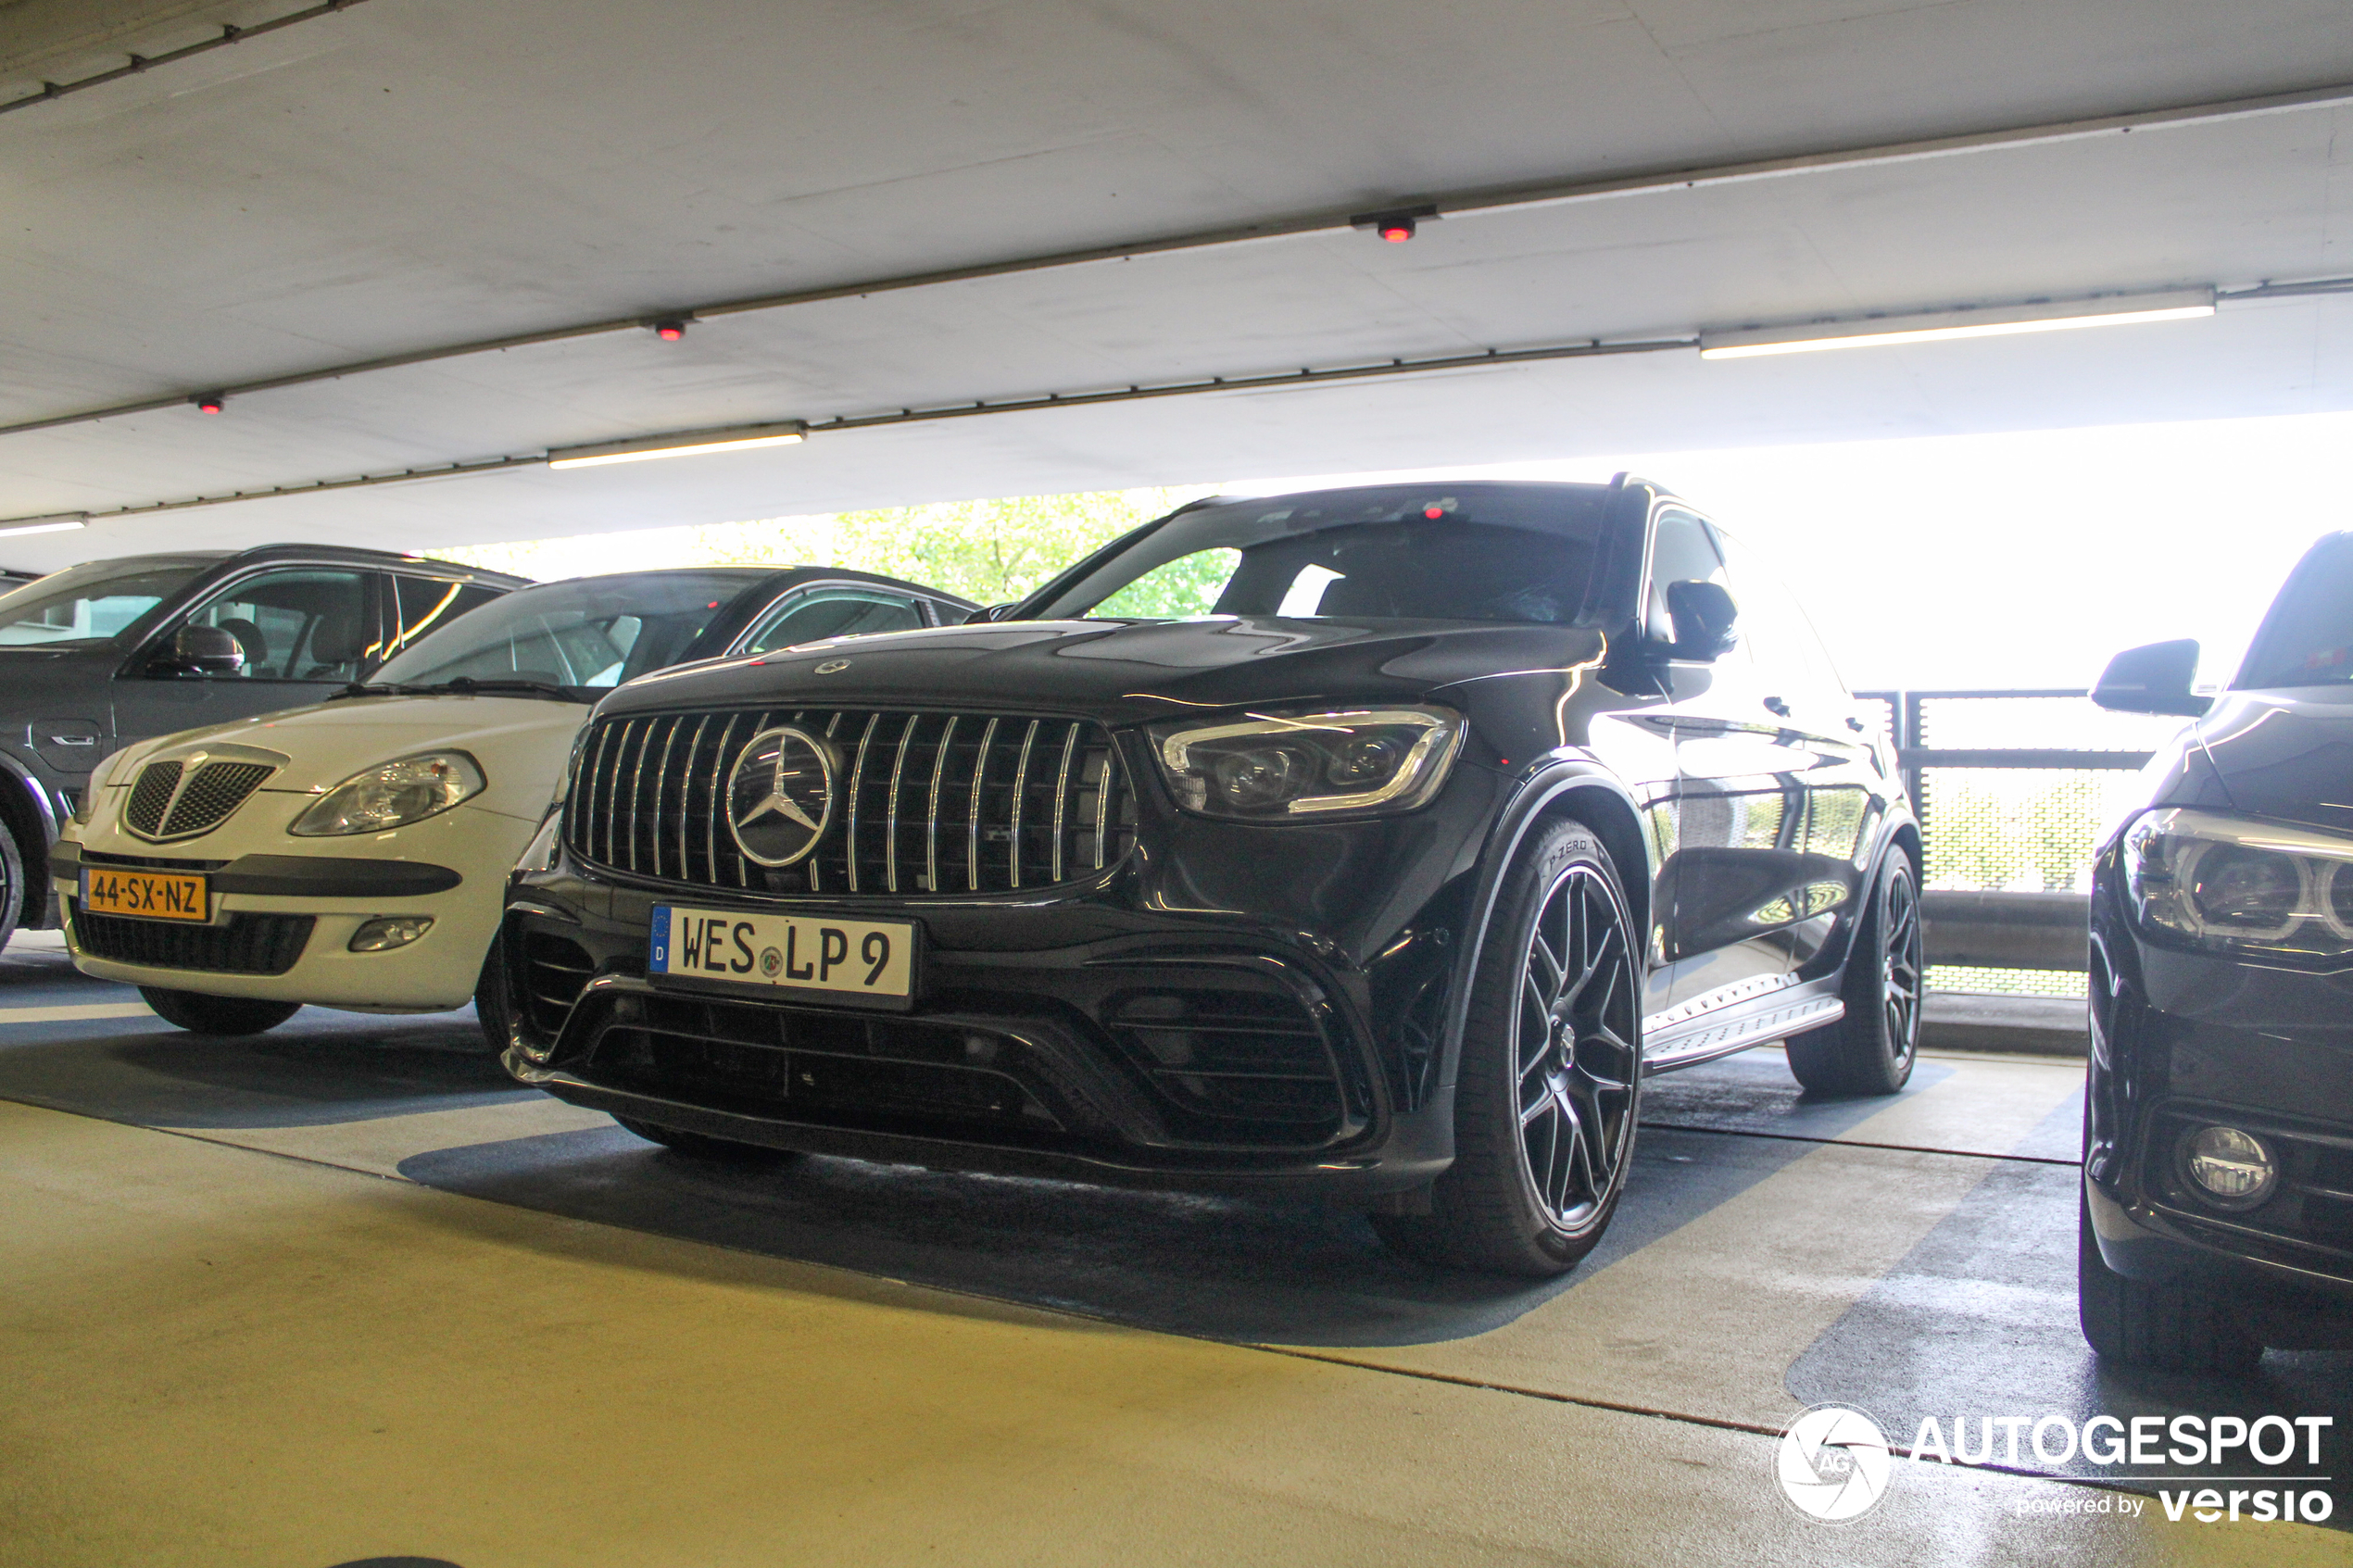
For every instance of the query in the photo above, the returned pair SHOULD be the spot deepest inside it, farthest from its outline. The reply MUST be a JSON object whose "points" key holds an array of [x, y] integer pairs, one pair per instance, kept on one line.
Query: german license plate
{"points": [[143, 895], [856, 958]]}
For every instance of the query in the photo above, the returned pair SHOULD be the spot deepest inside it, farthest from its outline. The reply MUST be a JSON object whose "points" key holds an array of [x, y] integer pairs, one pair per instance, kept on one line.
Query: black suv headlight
{"points": [[1284, 767], [2230, 884]]}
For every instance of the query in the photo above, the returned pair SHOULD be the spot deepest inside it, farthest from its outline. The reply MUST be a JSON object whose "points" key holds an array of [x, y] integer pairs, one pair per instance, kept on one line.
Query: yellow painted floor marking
{"points": [[378, 1147], [75, 1012]]}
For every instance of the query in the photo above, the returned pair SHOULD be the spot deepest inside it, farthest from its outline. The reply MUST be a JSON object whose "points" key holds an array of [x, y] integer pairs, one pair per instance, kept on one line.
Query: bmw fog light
{"points": [[386, 932], [2230, 1168]]}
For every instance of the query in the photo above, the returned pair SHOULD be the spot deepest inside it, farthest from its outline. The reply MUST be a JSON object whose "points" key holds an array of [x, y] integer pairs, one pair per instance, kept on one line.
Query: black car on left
{"points": [[1372, 843]]}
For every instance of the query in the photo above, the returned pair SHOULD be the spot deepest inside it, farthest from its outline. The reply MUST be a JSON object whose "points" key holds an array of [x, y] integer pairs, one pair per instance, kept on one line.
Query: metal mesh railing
{"points": [[2014, 789]]}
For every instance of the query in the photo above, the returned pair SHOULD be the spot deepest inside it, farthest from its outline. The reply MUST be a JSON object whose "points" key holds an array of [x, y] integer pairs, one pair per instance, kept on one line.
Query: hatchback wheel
{"points": [[200, 1014], [1871, 1050], [1551, 1074]]}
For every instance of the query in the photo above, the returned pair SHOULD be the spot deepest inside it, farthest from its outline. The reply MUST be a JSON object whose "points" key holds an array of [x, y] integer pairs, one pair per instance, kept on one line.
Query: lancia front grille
{"points": [[925, 802], [163, 806]]}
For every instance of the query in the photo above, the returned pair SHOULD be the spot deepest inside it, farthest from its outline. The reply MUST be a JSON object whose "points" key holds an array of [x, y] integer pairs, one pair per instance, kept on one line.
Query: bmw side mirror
{"points": [[990, 612], [2155, 678], [1703, 616], [200, 650]]}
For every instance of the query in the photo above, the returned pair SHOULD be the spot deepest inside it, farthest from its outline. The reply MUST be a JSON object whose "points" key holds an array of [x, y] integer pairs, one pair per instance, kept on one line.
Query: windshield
{"points": [[1460, 552], [93, 602], [2307, 638], [590, 632]]}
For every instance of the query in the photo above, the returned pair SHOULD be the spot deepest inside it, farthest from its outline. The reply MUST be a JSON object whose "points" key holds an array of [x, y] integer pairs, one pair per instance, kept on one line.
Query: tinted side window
{"points": [[2307, 639], [1781, 637], [1681, 552], [426, 603], [305, 623], [831, 613]]}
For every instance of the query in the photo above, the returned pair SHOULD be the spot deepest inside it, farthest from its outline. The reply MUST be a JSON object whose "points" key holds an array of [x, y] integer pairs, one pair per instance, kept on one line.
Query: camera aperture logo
{"points": [[1833, 1463]]}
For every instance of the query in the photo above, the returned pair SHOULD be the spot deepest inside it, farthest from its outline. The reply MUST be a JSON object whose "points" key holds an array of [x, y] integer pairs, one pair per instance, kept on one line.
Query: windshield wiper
{"points": [[466, 685]]}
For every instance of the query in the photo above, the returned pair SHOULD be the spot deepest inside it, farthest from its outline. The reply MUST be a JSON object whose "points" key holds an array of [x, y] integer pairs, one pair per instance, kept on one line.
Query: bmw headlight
{"points": [[2229, 885], [1285, 767], [391, 796]]}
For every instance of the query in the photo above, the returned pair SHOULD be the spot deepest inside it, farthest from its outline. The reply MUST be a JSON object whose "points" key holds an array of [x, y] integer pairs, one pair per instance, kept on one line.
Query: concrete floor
{"points": [[344, 1294]]}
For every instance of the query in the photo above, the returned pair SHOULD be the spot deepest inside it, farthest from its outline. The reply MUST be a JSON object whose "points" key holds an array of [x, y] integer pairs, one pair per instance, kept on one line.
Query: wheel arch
{"points": [[1576, 790]]}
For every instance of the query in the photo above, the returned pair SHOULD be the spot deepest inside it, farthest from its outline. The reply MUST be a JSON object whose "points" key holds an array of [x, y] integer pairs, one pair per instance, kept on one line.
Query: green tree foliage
{"points": [[986, 551]]}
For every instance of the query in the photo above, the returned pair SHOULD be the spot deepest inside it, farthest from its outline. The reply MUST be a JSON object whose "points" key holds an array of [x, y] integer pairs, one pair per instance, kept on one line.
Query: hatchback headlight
{"points": [[101, 780], [392, 794], [2229, 885], [1284, 767]]}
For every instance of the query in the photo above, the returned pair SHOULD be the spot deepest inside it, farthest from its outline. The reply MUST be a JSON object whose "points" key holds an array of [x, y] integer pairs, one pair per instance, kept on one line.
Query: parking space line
{"points": [[377, 1146], [75, 1012]]}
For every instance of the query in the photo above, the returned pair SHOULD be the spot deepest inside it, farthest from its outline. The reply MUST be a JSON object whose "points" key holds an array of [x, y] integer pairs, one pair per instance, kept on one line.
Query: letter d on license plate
{"points": [[842, 958]]}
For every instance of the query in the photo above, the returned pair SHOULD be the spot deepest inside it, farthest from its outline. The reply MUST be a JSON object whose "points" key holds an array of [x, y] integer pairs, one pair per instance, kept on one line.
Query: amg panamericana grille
{"points": [[924, 802]]}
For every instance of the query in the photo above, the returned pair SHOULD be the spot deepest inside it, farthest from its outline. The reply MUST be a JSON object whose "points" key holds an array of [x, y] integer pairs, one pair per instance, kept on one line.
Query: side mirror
{"points": [[1703, 615], [200, 650], [2155, 678], [990, 612]]}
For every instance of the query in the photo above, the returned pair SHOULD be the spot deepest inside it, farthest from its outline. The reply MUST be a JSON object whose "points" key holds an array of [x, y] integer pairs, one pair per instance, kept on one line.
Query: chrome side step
{"points": [[1705, 1039]]}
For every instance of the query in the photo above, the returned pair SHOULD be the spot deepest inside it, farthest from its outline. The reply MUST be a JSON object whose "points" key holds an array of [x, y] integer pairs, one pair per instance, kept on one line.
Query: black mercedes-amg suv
{"points": [[1376, 842]]}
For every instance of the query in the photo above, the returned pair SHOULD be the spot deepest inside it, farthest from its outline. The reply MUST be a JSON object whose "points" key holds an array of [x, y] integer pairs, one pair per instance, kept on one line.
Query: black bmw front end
{"points": [[2219, 1133]]}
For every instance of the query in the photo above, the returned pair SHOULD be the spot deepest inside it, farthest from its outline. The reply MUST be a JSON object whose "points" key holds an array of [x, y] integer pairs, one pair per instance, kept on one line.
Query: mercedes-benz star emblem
{"points": [[832, 667], [780, 796]]}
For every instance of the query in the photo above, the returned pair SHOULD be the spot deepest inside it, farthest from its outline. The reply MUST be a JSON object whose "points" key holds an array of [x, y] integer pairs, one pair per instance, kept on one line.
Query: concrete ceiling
{"points": [[405, 175]]}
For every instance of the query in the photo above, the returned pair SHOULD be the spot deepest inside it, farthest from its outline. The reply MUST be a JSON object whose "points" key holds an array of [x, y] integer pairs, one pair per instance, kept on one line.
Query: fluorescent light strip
{"points": [[62, 526], [681, 443], [2003, 320]]}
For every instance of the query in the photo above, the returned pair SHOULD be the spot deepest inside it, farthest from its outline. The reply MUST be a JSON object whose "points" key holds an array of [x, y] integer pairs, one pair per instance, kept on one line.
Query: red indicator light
{"points": [[1433, 512], [206, 403], [671, 330], [1398, 232]]}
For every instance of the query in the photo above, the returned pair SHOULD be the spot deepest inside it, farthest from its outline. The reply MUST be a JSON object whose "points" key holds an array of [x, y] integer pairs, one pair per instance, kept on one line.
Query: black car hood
{"points": [[2287, 754], [1117, 672]]}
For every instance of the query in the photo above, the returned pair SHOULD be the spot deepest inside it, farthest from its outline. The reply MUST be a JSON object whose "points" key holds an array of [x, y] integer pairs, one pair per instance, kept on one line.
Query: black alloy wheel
{"points": [[200, 1014], [1871, 1050], [1550, 1083]]}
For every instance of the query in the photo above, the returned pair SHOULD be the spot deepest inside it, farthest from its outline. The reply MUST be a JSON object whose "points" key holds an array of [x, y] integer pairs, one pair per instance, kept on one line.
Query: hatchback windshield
{"points": [[93, 602], [2307, 639], [590, 632], [1460, 552]]}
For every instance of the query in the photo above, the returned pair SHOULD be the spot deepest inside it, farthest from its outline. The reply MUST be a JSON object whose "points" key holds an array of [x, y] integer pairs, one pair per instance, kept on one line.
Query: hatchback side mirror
{"points": [[200, 650], [1703, 616], [2155, 678]]}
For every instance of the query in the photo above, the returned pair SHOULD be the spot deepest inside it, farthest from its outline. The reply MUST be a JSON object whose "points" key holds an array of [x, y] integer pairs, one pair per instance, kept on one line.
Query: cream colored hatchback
{"points": [[354, 854]]}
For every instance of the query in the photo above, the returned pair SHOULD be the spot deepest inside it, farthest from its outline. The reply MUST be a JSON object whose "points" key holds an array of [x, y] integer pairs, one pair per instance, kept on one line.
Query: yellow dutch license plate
{"points": [[842, 958], [143, 895]]}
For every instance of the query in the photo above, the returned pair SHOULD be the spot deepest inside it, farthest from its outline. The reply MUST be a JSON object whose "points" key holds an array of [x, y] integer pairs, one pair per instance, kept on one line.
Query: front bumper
{"points": [[280, 924], [2183, 1041], [1102, 1031]]}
